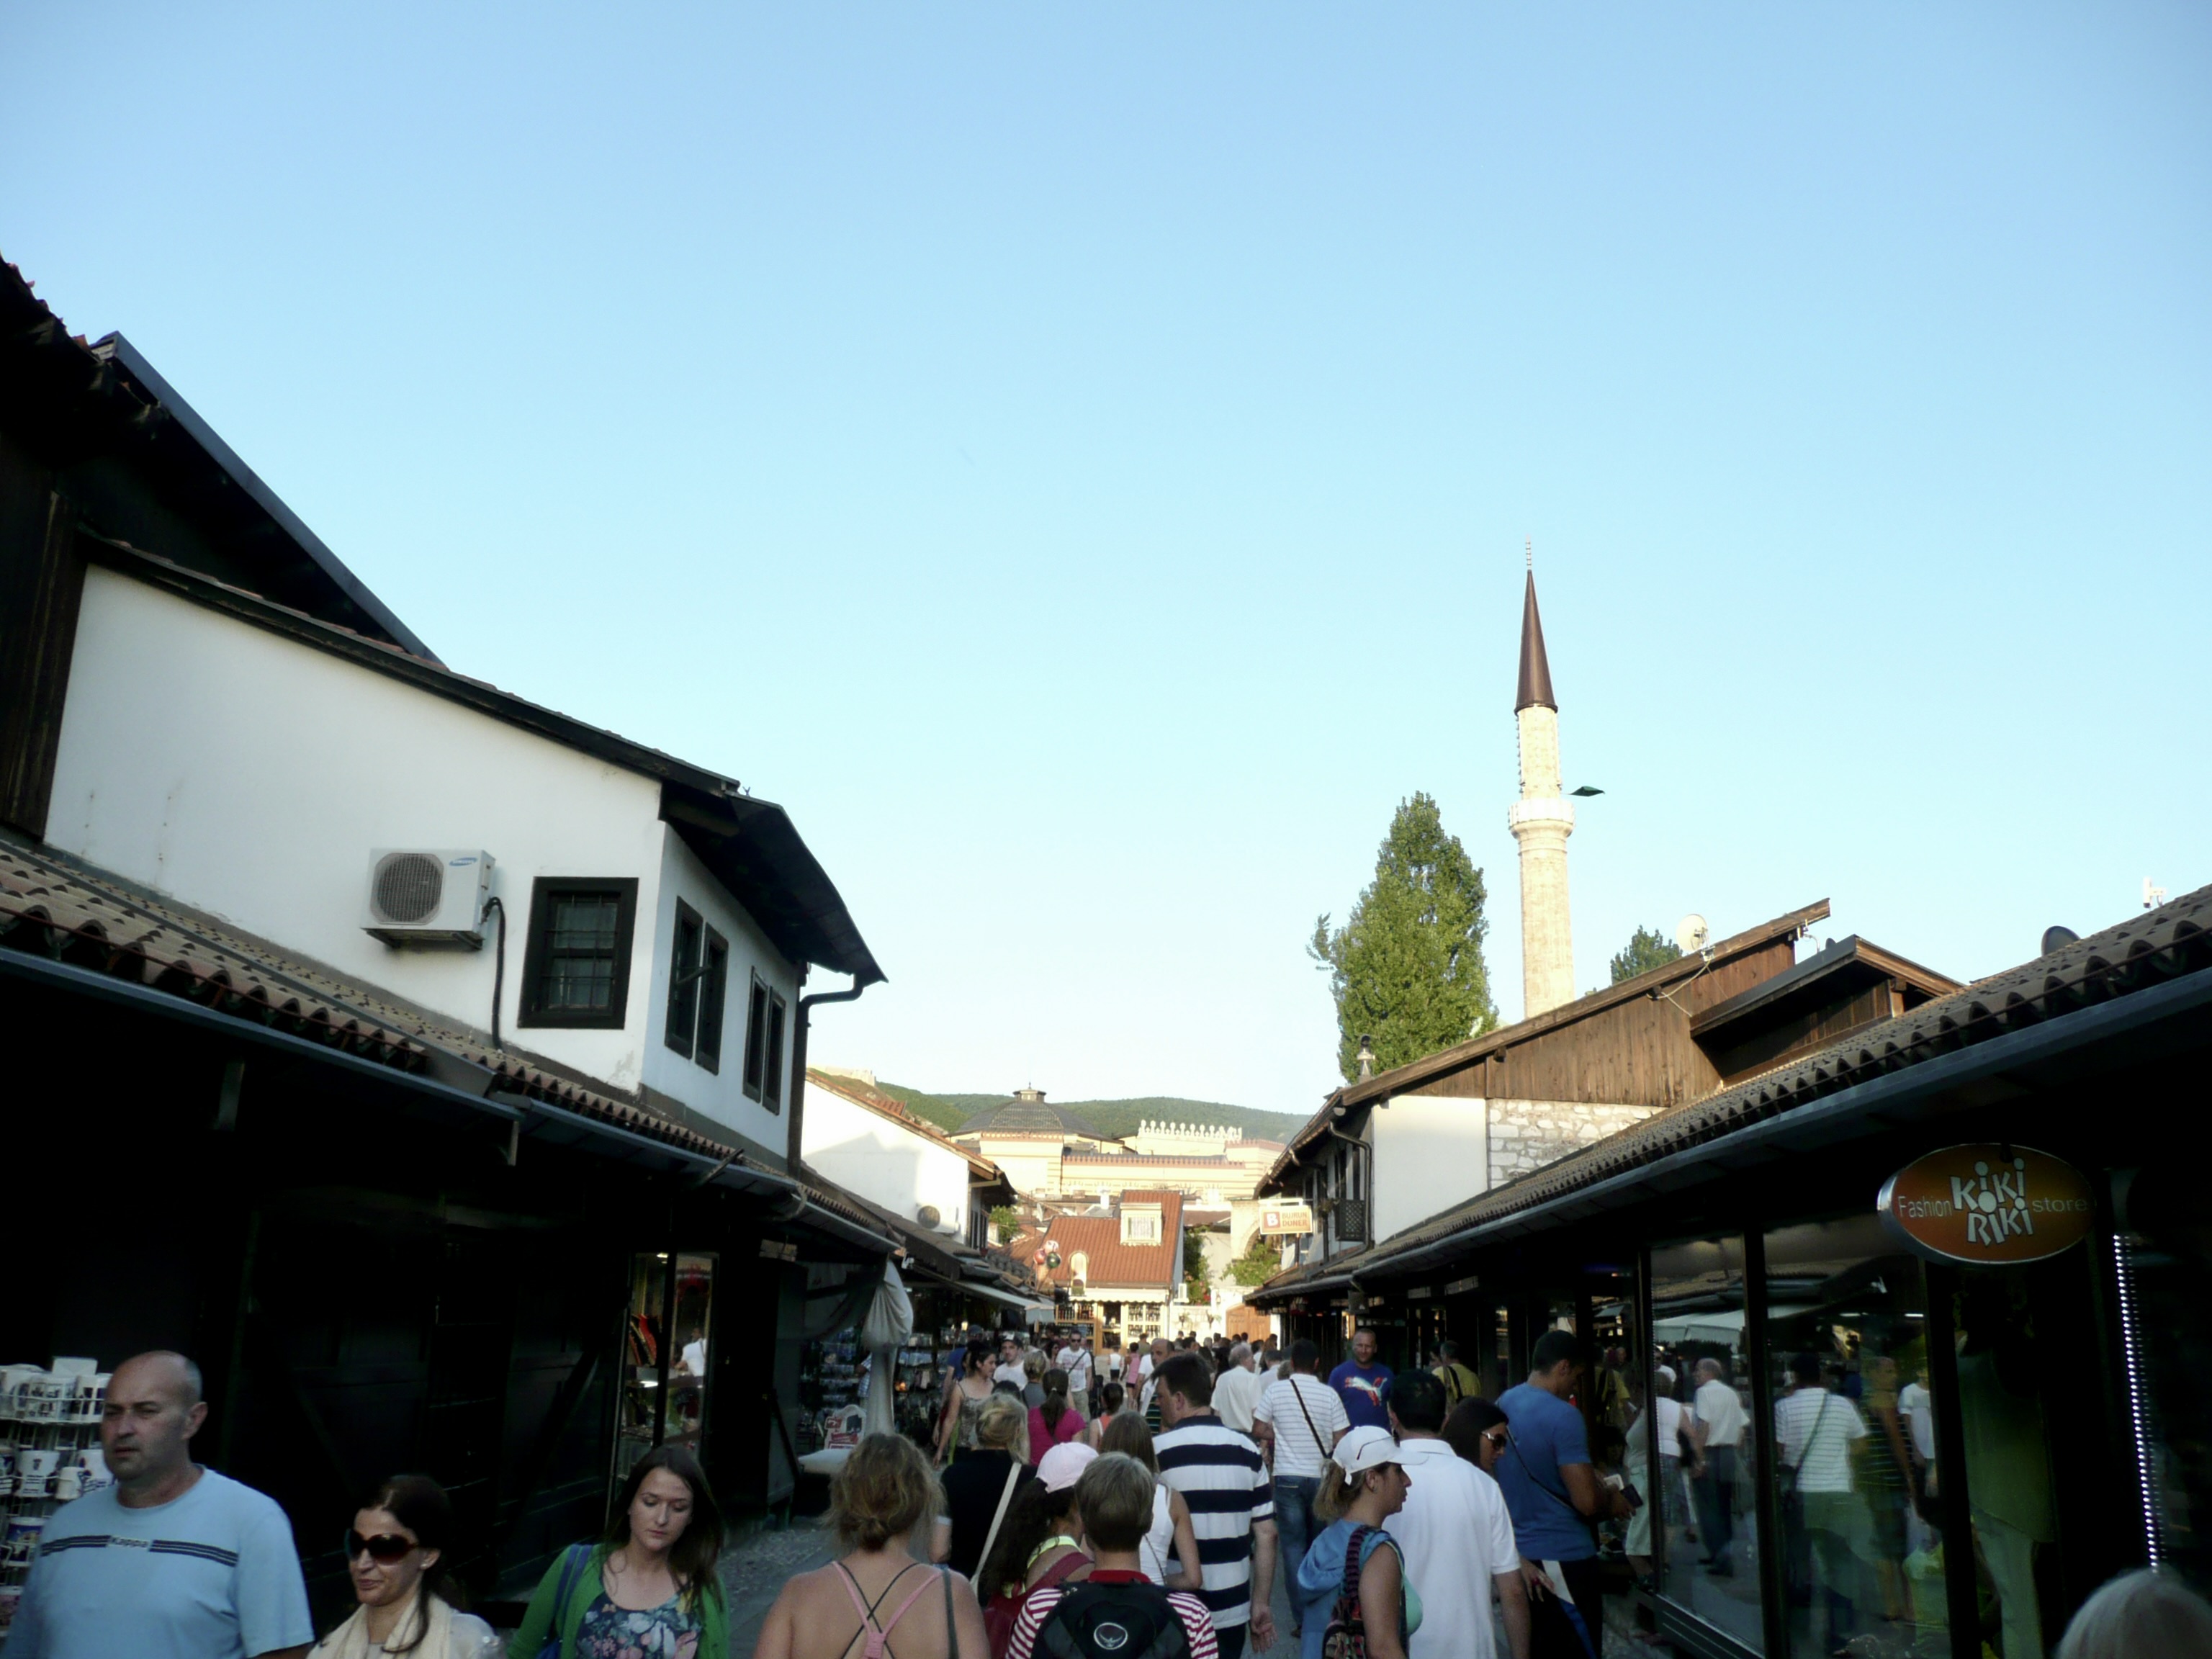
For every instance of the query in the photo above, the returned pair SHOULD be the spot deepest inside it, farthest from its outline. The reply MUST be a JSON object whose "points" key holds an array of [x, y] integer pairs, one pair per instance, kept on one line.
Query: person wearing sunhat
{"points": [[1353, 1571]]}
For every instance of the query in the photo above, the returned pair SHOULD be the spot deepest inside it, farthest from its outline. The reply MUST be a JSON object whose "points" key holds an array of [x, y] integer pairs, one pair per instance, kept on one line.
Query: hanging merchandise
{"points": [[50, 1453], [888, 1324]]}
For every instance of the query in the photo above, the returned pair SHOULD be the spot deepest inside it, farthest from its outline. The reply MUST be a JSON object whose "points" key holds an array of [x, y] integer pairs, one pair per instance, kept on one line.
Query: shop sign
{"points": [[842, 1428], [1462, 1286], [1988, 1204], [1420, 1293], [1287, 1218]]}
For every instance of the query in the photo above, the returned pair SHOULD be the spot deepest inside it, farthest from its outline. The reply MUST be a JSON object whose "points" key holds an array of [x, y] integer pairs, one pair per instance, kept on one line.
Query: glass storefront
{"points": [[1853, 1440], [662, 1395], [1709, 1550]]}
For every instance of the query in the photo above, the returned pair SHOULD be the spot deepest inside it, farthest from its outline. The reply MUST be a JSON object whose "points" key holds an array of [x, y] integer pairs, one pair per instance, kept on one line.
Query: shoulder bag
{"points": [[571, 1564], [1298, 1395]]}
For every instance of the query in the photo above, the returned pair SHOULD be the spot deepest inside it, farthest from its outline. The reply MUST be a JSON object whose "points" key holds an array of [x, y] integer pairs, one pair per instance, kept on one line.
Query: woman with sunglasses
{"points": [[1477, 1431], [647, 1590], [409, 1602]]}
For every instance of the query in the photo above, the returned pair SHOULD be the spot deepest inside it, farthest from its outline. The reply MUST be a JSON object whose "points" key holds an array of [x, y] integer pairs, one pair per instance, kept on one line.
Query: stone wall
{"points": [[1526, 1134]]}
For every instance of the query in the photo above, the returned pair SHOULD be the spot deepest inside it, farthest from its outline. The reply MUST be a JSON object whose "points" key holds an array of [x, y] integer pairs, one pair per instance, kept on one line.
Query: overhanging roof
{"points": [[1408, 1079], [2150, 968], [751, 845], [80, 408]]}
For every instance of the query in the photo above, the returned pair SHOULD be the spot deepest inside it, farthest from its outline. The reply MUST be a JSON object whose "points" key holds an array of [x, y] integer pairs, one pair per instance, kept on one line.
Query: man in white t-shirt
{"points": [[1814, 1431], [1010, 1365], [1074, 1358], [1237, 1391], [1298, 1422], [1718, 1435], [1454, 1533]]}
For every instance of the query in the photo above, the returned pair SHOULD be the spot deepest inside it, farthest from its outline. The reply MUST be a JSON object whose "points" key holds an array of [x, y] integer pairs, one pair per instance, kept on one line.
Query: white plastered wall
{"points": [[1430, 1152], [865, 1152], [249, 775], [719, 1093]]}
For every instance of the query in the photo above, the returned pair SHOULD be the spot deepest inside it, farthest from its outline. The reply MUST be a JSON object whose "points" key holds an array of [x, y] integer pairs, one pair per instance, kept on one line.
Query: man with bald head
{"points": [[173, 1561]]}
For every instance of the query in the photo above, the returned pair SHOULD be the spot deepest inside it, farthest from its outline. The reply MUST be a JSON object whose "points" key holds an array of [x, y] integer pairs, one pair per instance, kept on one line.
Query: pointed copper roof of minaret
{"points": [[1536, 671]]}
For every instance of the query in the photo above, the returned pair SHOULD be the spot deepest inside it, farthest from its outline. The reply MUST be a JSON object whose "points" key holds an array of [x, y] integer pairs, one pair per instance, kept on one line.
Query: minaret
{"points": [[1542, 821]]}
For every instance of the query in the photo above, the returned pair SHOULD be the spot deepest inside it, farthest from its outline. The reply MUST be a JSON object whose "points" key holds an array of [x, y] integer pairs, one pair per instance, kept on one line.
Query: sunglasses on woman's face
{"points": [[386, 1546], [1494, 1438]]}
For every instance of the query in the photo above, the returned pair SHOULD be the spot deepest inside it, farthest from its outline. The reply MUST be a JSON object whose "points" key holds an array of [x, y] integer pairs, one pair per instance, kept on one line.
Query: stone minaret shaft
{"points": [[1542, 821]]}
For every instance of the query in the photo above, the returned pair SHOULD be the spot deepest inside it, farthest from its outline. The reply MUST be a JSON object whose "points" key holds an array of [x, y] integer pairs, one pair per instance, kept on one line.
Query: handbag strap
{"points": [[1006, 1496], [1513, 1440], [951, 1629], [1797, 1470], [1298, 1395]]}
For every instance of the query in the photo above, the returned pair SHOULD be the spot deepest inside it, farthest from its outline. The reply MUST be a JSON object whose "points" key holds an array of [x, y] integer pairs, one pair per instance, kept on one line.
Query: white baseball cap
{"points": [[1364, 1448], [1063, 1465]]}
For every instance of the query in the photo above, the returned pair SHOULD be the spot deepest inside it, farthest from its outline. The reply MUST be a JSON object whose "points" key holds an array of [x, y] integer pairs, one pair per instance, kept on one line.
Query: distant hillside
{"points": [[1110, 1117]]}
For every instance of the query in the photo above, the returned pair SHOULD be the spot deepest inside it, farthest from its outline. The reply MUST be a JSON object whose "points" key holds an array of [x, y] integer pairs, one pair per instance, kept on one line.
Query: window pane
{"points": [[711, 991], [683, 981], [1847, 1341], [772, 1080], [1707, 1533], [755, 1038], [2005, 1428]]}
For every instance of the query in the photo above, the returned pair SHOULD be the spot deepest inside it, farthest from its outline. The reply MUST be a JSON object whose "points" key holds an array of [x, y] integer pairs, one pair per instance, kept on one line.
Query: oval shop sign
{"points": [[1988, 1204]]}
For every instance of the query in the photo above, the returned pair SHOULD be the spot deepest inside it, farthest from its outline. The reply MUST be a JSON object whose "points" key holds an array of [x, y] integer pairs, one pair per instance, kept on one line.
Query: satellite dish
{"points": [[2054, 938], [1691, 934]]}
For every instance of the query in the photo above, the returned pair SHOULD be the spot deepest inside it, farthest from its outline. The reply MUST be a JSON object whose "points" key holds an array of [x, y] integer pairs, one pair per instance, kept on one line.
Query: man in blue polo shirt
{"points": [[1554, 1495], [1363, 1385], [171, 1562]]}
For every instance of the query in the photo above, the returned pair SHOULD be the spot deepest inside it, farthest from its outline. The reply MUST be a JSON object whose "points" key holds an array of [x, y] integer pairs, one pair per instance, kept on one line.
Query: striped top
{"points": [[1039, 1602], [1225, 1483], [1813, 1432], [1297, 1451]]}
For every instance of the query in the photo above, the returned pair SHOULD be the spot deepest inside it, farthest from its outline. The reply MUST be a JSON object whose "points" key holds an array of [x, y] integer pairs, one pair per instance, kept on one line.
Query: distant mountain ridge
{"points": [[1119, 1118]]}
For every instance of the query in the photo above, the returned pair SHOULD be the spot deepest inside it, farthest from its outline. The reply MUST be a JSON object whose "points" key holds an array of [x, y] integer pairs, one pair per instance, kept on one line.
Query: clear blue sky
{"points": [[1076, 458]]}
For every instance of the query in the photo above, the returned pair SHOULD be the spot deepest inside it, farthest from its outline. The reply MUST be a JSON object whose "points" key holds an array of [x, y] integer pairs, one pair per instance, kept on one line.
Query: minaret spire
{"points": [[1541, 821]]}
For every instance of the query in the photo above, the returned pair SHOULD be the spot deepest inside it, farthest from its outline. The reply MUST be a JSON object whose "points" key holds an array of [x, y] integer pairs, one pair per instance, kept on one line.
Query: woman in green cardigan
{"points": [[650, 1586]]}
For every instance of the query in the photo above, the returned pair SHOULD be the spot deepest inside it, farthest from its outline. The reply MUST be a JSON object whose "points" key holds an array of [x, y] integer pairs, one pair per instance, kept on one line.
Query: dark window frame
{"points": [[779, 1027], [687, 945], [755, 1062], [543, 891], [713, 1001]]}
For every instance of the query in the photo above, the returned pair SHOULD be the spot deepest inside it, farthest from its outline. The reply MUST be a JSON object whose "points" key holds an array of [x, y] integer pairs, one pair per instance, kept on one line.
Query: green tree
{"points": [[1405, 969], [1646, 949], [1194, 1265], [1006, 1222], [1261, 1260]]}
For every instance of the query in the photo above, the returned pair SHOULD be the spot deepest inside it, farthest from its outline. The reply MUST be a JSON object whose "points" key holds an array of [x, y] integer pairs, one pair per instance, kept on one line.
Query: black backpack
{"points": [[1114, 1621]]}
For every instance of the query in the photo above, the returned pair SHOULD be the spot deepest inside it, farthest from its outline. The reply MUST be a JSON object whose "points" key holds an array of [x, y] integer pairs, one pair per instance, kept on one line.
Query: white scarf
{"points": [[350, 1640]]}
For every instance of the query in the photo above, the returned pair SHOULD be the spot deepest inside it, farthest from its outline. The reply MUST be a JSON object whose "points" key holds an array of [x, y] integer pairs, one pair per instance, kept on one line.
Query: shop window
{"points": [[664, 1369], [1852, 1440], [1706, 1532]]}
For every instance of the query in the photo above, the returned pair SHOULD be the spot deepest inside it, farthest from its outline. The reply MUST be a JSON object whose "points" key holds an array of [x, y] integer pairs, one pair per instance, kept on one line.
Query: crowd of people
{"points": [[1152, 1528]]}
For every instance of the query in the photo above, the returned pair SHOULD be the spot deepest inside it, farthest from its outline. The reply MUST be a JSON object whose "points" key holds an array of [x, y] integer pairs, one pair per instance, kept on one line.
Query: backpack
{"points": [[1346, 1635], [1114, 1621]]}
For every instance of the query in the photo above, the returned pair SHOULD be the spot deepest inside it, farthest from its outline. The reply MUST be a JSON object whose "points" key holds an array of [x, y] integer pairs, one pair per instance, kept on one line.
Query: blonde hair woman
{"points": [[984, 1482], [1361, 1485], [1168, 1550], [885, 1490]]}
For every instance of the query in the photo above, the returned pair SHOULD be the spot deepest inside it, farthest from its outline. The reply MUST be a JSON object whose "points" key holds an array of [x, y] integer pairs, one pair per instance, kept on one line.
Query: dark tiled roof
{"points": [[65, 911], [2144, 951]]}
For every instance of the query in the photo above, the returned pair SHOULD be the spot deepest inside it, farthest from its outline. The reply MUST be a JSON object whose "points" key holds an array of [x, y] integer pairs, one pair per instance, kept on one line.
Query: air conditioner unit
{"points": [[427, 896]]}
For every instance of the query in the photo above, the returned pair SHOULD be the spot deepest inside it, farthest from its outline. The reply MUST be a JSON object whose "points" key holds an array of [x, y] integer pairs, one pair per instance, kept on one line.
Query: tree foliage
{"points": [[1194, 1265], [1006, 1221], [1405, 969], [1647, 948], [1261, 1260]]}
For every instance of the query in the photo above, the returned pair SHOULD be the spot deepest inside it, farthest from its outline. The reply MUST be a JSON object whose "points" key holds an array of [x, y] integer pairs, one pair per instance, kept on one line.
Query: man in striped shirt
{"points": [[1224, 1483]]}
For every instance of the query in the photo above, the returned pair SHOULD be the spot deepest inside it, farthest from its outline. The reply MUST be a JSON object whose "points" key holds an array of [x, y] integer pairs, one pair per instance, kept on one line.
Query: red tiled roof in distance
{"points": [[1110, 1261]]}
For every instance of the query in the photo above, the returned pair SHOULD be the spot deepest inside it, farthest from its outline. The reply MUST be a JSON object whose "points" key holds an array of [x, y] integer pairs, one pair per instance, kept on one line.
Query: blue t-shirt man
{"points": [[1364, 1386], [211, 1574], [1548, 1434]]}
